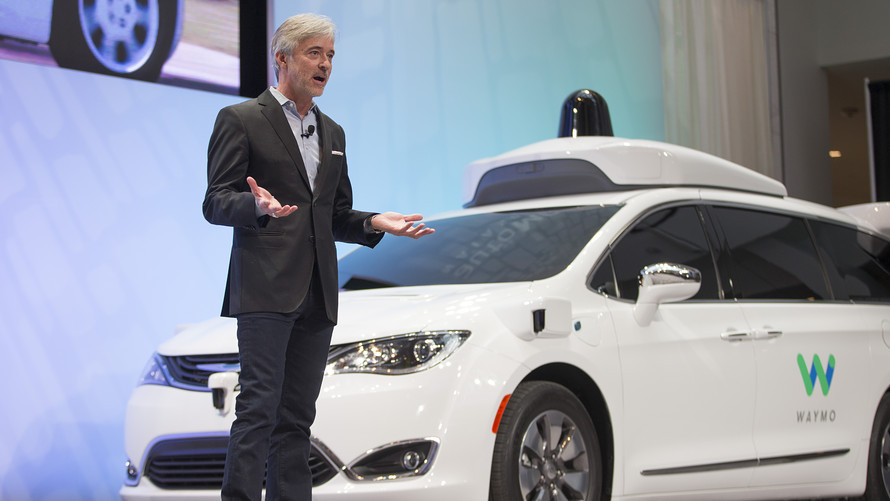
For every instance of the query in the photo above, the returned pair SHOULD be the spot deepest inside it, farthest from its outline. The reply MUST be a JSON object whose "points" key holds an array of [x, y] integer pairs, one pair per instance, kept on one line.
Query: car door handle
{"points": [[735, 336], [767, 333]]}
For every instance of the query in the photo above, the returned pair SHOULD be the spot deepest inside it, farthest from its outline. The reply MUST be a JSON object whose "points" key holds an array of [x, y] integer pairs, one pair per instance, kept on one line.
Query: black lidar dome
{"points": [[585, 113]]}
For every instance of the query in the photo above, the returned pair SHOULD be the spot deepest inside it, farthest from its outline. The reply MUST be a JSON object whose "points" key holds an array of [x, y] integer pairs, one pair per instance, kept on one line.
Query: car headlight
{"points": [[154, 372], [395, 355]]}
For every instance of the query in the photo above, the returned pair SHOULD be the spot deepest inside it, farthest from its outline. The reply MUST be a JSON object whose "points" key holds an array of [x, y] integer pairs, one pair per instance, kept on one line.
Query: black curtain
{"points": [[879, 93]]}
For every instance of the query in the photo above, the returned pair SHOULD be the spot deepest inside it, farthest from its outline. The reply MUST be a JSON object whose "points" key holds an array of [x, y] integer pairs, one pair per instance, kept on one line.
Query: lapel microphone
{"points": [[309, 132]]}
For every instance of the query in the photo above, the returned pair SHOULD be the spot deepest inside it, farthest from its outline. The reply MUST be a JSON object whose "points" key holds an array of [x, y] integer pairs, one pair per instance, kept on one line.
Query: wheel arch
{"points": [[585, 388]]}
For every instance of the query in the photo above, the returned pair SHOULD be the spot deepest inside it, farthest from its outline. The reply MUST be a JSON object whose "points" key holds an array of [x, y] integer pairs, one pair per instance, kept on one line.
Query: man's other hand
{"points": [[266, 203], [400, 225]]}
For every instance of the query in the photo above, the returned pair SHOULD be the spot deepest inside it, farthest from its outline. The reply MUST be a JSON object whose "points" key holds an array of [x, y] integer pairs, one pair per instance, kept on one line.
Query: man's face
{"points": [[308, 68]]}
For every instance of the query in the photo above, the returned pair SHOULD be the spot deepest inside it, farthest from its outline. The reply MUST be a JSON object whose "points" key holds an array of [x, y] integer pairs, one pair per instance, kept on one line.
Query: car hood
{"points": [[377, 313], [365, 314]]}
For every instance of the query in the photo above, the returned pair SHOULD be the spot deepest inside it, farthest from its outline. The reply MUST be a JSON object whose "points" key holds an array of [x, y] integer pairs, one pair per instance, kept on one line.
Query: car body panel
{"points": [[684, 387], [790, 420], [876, 214], [29, 21]]}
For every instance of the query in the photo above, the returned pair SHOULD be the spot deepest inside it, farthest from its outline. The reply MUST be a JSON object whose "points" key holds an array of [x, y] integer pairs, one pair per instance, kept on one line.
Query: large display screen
{"points": [[104, 249], [188, 43]]}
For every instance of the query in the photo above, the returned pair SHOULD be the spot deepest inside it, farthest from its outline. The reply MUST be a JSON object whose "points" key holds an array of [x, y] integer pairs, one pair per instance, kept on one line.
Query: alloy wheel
{"points": [[553, 462], [121, 34]]}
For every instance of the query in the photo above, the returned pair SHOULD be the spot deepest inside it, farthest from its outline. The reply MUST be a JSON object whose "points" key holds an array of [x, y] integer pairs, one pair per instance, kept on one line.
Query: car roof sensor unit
{"points": [[588, 159], [585, 113], [603, 164], [537, 179]]}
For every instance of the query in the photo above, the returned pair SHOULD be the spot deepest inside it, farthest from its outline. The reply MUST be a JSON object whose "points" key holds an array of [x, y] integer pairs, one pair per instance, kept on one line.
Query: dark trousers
{"points": [[282, 364]]}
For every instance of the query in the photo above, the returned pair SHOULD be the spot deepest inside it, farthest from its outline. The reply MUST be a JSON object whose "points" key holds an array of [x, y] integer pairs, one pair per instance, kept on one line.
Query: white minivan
{"points": [[606, 319]]}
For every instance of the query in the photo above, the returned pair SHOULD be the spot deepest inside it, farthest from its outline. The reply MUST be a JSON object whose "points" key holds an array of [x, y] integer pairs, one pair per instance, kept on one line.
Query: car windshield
{"points": [[478, 248]]}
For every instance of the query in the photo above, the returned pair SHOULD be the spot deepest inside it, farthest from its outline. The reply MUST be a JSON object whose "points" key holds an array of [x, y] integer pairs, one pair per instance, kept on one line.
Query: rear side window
{"points": [[858, 263], [771, 256], [670, 235]]}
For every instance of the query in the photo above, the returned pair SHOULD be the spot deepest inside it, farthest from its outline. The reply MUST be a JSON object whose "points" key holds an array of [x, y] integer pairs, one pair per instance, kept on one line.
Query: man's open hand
{"points": [[400, 225], [266, 203]]}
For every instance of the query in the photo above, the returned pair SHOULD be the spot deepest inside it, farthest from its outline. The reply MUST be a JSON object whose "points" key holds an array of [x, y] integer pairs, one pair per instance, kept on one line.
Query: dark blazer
{"points": [[272, 258]]}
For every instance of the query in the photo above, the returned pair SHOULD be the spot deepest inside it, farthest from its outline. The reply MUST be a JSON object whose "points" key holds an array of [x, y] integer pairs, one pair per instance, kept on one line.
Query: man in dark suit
{"points": [[277, 174]]}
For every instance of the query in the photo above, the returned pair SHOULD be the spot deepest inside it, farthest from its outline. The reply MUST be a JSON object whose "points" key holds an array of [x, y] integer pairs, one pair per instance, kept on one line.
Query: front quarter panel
{"points": [[454, 402]]}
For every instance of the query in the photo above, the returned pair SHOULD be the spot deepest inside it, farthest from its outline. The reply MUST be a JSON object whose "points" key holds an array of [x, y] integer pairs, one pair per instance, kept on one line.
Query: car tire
{"points": [[530, 461], [130, 38], [878, 483]]}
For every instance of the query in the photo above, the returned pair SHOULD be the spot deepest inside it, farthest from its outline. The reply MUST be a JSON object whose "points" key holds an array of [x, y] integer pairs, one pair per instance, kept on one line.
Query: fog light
{"points": [[411, 460], [407, 458]]}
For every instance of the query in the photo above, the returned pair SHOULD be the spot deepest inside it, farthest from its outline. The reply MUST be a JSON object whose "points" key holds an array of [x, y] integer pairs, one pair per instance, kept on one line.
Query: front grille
{"points": [[198, 463], [192, 371]]}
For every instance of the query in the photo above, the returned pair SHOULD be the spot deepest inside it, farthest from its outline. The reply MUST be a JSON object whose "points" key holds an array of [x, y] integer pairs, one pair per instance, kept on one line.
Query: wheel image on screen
{"points": [[546, 447], [131, 38]]}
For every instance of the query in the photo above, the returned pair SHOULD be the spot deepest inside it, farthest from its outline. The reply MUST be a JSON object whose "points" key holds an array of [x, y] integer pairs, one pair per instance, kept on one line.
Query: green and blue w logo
{"points": [[816, 372]]}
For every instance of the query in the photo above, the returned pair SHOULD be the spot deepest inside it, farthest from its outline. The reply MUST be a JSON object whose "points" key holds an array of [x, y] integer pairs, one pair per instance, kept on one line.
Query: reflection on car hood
{"points": [[366, 314], [209, 337], [378, 313]]}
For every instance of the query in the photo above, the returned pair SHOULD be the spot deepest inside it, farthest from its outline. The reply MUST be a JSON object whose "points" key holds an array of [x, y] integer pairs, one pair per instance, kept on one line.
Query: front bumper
{"points": [[393, 491], [453, 404]]}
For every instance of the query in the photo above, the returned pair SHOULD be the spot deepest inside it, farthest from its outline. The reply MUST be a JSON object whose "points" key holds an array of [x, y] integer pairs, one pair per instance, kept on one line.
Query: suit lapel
{"points": [[271, 109]]}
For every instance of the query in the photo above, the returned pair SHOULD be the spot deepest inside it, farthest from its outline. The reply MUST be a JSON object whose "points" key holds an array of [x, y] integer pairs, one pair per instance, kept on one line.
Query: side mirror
{"points": [[664, 283]]}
